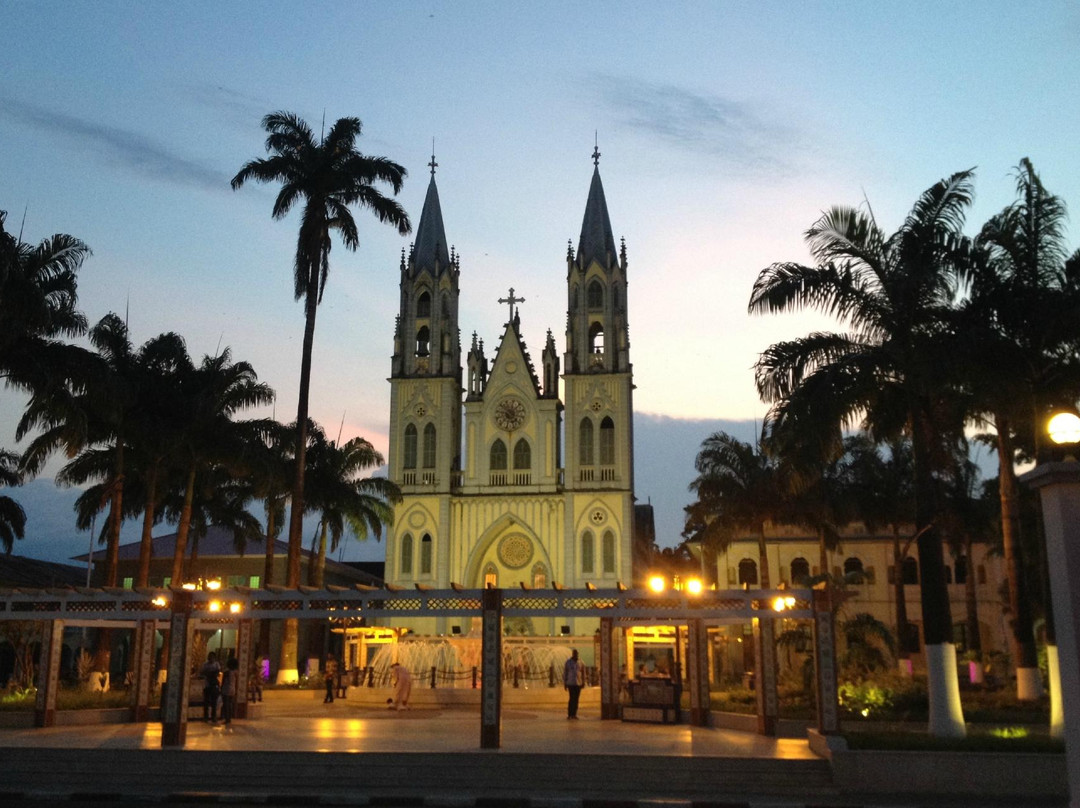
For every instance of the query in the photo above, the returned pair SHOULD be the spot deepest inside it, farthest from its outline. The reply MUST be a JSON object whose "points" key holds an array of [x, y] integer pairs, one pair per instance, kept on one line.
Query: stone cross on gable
{"points": [[511, 300]]}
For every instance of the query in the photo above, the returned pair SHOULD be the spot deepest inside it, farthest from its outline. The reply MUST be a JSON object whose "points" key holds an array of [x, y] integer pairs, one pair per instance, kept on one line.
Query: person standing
{"points": [[330, 677], [573, 680], [402, 687], [211, 676], [230, 683]]}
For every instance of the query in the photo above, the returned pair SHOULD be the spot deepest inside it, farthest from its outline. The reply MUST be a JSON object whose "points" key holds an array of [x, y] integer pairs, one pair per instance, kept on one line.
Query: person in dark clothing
{"points": [[573, 681], [211, 676]]}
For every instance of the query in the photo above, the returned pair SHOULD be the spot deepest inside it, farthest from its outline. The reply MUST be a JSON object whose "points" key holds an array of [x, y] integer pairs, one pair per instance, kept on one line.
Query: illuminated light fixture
{"points": [[234, 608], [213, 585], [214, 605], [1064, 427], [160, 602], [657, 583], [789, 602], [693, 586], [779, 604], [190, 587]]}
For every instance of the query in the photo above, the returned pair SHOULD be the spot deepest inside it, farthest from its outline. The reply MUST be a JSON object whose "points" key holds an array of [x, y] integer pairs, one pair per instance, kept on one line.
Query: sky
{"points": [[725, 129]]}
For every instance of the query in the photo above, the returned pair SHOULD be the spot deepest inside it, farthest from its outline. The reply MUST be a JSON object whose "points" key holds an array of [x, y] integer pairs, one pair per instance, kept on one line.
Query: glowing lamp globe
{"points": [[1064, 427], [657, 583]]}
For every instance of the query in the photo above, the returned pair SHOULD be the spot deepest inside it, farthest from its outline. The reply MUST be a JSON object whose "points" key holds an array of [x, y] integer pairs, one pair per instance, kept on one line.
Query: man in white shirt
{"points": [[573, 681]]}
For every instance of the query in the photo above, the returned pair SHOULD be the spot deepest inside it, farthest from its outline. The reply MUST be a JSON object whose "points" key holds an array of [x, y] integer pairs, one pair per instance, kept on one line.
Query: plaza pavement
{"points": [[306, 753]]}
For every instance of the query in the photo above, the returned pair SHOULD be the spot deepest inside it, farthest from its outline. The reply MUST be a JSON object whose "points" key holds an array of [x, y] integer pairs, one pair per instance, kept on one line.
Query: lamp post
{"points": [[1058, 483]]}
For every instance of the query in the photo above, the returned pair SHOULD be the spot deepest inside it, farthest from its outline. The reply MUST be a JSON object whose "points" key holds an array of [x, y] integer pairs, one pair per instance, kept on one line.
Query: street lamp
{"points": [[1058, 483]]}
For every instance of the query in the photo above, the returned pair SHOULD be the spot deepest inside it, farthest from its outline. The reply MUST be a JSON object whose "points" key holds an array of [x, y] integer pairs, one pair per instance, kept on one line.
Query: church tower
{"points": [[598, 392], [425, 391]]}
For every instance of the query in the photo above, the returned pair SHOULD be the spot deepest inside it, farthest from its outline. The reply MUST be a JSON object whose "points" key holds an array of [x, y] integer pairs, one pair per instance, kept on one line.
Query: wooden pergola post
{"points": [[174, 706], [609, 670], [52, 642], [245, 633], [697, 669], [491, 669], [765, 674], [828, 709], [145, 642]]}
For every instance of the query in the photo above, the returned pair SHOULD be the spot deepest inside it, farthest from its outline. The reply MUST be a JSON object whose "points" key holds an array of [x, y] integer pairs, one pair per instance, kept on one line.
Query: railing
{"points": [[419, 478], [607, 474], [522, 478], [408, 478], [585, 475], [498, 478]]}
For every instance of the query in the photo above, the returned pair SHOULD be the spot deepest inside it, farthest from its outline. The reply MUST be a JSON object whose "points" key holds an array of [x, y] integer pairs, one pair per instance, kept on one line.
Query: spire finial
{"points": [[433, 165], [596, 149], [511, 300]]}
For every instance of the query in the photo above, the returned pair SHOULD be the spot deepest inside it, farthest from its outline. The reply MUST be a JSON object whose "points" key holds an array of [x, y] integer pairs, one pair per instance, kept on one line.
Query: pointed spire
{"points": [[430, 234], [597, 240]]}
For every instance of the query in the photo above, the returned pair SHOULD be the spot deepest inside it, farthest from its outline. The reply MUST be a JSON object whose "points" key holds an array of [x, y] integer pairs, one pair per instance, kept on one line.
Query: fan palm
{"points": [[342, 498], [891, 370], [328, 175]]}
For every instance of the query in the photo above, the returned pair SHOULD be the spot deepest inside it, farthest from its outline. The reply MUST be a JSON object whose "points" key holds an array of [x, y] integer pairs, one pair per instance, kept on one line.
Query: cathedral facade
{"points": [[505, 483]]}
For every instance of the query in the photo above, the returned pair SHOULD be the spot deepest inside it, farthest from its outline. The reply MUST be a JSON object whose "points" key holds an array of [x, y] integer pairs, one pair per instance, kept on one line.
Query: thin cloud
{"points": [[733, 132], [242, 110], [130, 149]]}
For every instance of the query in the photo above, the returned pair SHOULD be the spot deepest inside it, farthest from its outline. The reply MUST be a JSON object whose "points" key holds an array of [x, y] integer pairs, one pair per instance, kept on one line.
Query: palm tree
{"points": [[738, 490], [12, 516], [38, 299], [1023, 339], [329, 175], [342, 498], [210, 396], [891, 371]]}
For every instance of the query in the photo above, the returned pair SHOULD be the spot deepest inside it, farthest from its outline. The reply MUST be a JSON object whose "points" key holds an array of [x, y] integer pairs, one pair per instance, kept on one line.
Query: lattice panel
{"points": [[654, 603], [531, 602], [35, 606], [401, 604], [140, 606], [453, 603], [585, 604], [271, 605], [78, 606]]}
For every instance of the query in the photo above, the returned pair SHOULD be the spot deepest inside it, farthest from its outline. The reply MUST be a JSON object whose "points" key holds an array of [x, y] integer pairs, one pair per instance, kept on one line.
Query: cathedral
{"points": [[505, 483]]}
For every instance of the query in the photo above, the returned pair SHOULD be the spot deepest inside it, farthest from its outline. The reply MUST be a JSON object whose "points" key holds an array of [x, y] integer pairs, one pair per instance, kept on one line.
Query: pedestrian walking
{"points": [[573, 681]]}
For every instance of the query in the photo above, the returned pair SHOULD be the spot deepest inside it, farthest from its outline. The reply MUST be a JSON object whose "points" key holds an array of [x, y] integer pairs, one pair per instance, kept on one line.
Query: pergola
{"points": [[181, 611]]}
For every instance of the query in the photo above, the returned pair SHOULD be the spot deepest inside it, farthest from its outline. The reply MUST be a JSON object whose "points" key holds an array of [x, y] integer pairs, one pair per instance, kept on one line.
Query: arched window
{"points": [[596, 338], [911, 571], [410, 446], [854, 565], [491, 577], [539, 576], [423, 342], [585, 451], [595, 296], [609, 552], [748, 571], [587, 552], [522, 455], [429, 446], [406, 554], [800, 570], [607, 442], [425, 555], [498, 456], [423, 305]]}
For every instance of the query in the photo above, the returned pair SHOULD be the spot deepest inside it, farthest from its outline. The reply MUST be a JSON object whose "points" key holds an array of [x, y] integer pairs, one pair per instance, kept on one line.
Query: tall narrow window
{"points": [[587, 552], [800, 570], [748, 571], [406, 554], [423, 341], [539, 576], [498, 456], [607, 442], [491, 577], [423, 305], [585, 450], [595, 296], [596, 338], [609, 552], [410, 446], [522, 455], [425, 555], [429, 446]]}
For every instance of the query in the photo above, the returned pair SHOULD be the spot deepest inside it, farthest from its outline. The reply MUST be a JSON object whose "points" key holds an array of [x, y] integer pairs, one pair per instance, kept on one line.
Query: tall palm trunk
{"points": [[183, 528], [116, 518], [823, 552], [971, 601], [946, 713], [1022, 632], [319, 568], [146, 542], [287, 667], [900, 597], [763, 558]]}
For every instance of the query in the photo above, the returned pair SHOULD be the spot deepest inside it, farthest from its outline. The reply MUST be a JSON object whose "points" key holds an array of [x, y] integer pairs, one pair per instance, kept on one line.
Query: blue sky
{"points": [[725, 128]]}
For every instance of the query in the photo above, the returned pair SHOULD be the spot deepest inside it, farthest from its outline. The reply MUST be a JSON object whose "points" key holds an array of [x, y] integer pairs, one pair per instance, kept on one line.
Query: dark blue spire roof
{"points": [[430, 241], [596, 239]]}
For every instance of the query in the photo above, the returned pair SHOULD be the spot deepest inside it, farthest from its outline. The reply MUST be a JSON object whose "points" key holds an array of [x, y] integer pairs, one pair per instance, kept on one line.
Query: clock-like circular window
{"points": [[509, 414], [515, 551]]}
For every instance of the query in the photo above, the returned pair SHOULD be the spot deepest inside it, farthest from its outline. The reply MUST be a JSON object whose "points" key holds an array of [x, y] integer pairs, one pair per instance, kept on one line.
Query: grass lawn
{"points": [[979, 739]]}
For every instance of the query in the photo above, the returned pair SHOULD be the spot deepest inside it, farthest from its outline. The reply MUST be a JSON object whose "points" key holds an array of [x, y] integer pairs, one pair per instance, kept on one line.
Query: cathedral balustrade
{"points": [[498, 478], [429, 478], [608, 474], [586, 475], [408, 478], [457, 479], [522, 478]]}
